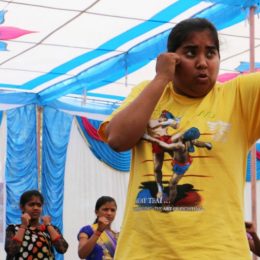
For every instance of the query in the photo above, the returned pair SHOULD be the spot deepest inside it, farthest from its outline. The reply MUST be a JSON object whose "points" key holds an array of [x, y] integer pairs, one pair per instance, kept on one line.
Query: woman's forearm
{"points": [[57, 240], [256, 244], [14, 241], [127, 126], [86, 246]]}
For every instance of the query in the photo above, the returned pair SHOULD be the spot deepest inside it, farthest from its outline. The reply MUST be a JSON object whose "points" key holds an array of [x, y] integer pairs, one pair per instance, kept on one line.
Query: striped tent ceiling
{"points": [[85, 55]]}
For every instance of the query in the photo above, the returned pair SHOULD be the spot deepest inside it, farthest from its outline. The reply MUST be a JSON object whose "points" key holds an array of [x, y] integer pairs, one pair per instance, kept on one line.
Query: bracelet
{"points": [[97, 233], [17, 239], [56, 238], [42, 227]]}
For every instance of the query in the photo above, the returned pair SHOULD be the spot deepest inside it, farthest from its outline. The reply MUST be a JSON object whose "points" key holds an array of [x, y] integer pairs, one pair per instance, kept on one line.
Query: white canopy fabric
{"points": [[86, 55]]}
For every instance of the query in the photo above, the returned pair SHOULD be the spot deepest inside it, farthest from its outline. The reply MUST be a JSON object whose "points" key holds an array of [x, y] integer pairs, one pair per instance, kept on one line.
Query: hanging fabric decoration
{"points": [[248, 172], [118, 161], [90, 129], [9, 32], [258, 155]]}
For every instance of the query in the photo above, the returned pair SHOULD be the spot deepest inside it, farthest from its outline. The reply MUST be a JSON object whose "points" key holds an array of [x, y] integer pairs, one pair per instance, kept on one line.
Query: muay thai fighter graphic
{"points": [[179, 146]]}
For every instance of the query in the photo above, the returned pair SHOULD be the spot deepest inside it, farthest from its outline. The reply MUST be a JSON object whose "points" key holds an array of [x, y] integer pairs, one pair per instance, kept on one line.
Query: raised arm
{"points": [[12, 243], [87, 243], [202, 144], [253, 239], [57, 239], [13, 239], [127, 126]]}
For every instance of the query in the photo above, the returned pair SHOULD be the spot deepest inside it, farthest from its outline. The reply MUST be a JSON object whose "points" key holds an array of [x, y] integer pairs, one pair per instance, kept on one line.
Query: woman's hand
{"points": [[250, 228], [166, 64], [103, 223], [25, 220], [46, 220]]}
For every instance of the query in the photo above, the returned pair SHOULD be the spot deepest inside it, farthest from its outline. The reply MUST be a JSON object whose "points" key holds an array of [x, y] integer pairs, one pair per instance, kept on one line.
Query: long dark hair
{"points": [[101, 201], [26, 197], [183, 30]]}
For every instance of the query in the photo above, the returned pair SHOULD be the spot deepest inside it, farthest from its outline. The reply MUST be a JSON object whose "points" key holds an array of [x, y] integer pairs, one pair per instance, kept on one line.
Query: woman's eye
{"points": [[211, 54], [190, 53]]}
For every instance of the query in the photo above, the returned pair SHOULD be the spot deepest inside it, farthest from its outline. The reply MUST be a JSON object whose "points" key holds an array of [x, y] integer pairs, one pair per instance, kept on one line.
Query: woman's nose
{"points": [[110, 212], [201, 62]]}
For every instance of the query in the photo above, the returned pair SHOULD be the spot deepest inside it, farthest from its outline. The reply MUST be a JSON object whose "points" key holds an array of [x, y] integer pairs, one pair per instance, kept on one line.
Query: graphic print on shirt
{"points": [[179, 146]]}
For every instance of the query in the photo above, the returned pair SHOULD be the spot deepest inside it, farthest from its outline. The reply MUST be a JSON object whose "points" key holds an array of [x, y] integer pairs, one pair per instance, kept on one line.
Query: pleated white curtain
{"points": [[86, 179]]}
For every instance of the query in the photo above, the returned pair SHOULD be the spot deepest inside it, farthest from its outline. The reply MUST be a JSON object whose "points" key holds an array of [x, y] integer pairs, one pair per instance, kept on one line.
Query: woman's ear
{"points": [[22, 208]]}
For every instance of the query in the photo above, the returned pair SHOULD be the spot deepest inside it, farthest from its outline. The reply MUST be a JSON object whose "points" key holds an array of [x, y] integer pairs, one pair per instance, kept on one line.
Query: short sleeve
{"points": [[87, 230], [133, 94], [249, 89]]}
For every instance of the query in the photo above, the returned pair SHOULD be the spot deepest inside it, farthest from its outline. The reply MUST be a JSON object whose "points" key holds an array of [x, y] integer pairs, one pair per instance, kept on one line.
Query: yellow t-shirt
{"points": [[206, 220]]}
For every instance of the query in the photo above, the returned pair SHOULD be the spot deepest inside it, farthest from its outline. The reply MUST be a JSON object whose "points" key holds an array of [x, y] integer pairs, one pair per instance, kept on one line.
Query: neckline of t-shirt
{"points": [[183, 100]]}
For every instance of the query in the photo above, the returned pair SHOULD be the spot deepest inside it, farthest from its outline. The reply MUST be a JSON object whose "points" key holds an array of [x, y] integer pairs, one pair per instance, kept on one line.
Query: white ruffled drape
{"points": [[86, 179]]}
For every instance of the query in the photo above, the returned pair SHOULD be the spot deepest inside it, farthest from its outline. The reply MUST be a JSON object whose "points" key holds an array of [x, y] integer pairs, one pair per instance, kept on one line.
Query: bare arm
{"points": [[167, 146], [256, 248], [57, 239], [87, 244], [202, 144], [127, 126], [254, 241], [170, 122], [14, 239]]}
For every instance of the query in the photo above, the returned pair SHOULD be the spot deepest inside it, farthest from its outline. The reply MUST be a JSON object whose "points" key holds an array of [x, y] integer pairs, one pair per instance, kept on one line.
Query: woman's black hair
{"points": [[26, 197], [101, 201], [183, 30]]}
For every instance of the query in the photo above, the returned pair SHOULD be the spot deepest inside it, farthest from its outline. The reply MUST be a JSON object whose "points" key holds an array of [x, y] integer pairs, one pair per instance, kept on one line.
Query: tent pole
{"points": [[253, 149], [252, 38], [39, 144]]}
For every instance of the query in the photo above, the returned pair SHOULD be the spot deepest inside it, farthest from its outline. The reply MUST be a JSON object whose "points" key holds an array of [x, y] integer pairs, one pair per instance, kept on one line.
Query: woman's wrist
{"points": [[18, 240], [48, 225], [22, 226], [98, 233], [56, 238]]}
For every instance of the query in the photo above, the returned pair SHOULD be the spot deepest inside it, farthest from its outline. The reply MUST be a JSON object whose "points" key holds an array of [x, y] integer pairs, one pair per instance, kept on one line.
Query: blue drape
{"points": [[248, 172], [21, 163], [118, 161], [56, 131]]}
